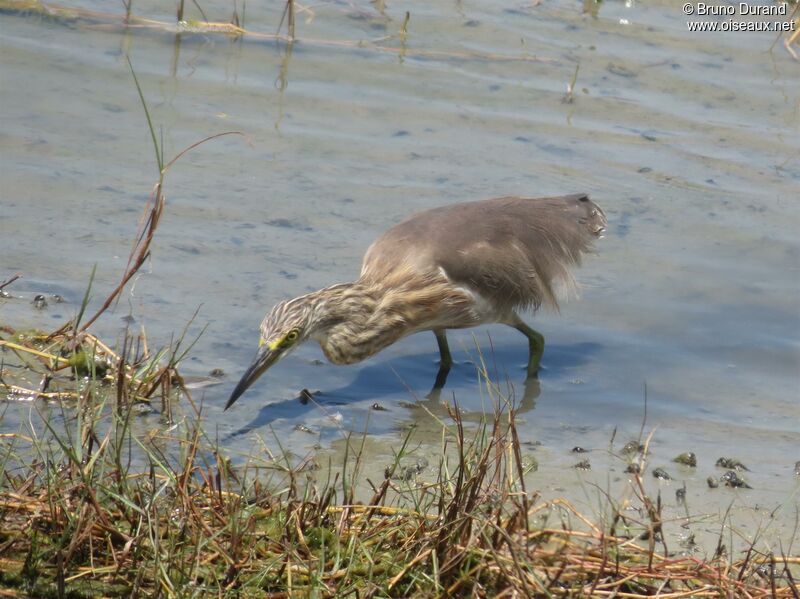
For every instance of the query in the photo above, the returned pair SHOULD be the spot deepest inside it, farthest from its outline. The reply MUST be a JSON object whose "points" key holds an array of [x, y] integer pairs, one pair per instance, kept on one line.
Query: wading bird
{"points": [[452, 267]]}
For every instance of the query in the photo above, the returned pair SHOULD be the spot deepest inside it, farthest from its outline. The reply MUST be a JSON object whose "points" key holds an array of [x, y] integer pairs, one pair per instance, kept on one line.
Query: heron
{"points": [[451, 267]]}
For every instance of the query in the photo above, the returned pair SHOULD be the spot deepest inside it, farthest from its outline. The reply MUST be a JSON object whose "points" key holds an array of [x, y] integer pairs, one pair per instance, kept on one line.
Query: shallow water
{"points": [[687, 140]]}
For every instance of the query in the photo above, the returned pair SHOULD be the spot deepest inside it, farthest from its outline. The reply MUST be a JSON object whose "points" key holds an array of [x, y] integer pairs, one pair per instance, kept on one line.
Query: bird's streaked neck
{"points": [[352, 321], [349, 321]]}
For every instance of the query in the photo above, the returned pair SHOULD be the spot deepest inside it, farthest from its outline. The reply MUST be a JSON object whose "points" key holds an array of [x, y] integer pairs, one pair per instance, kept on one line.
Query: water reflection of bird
{"points": [[446, 268]]}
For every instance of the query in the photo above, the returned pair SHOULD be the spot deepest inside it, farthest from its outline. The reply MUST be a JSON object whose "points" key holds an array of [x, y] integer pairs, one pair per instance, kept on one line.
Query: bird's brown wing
{"points": [[515, 252]]}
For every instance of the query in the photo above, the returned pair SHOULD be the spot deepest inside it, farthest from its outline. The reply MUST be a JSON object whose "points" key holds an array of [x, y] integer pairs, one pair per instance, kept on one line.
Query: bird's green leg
{"points": [[444, 348], [535, 344], [446, 360]]}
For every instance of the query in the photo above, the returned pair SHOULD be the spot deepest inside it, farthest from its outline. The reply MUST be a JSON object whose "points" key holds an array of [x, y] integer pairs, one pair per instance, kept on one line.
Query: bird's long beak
{"points": [[265, 358]]}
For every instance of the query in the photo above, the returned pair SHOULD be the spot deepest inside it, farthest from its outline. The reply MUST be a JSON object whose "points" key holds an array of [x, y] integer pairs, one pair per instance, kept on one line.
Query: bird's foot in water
{"points": [[534, 369], [441, 375]]}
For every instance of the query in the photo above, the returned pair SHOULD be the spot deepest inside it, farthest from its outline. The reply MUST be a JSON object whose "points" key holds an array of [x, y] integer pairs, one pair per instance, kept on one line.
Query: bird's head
{"points": [[285, 327]]}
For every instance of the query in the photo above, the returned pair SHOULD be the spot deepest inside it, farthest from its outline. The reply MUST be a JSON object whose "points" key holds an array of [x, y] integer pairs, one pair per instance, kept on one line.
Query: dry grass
{"points": [[76, 519]]}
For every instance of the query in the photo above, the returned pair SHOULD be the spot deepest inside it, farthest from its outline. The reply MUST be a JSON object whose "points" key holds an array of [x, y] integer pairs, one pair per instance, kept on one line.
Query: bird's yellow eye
{"points": [[292, 336]]}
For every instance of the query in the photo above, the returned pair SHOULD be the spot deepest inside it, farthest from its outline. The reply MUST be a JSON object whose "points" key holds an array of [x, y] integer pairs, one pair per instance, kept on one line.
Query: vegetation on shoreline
{"points": [[93, 508]]}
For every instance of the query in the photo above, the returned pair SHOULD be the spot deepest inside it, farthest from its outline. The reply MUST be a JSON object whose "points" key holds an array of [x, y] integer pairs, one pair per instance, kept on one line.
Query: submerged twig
{"points": [[8, 282]]}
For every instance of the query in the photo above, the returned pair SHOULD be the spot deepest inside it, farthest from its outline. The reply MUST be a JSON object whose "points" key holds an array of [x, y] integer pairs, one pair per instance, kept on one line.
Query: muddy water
{"points": [[689, 141]]}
